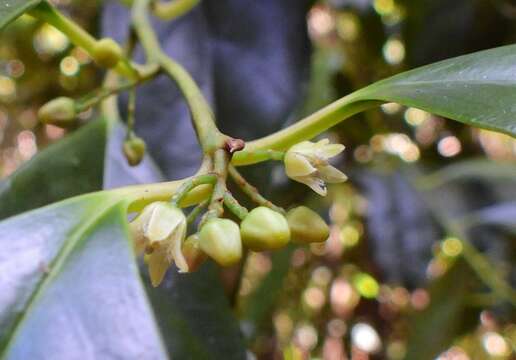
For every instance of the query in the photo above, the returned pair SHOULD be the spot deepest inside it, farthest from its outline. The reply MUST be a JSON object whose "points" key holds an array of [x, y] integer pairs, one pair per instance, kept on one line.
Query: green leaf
{"points": [[433, 329], [477, 89], [12, 9], [71, 167], [194, 316], [83, 162], [70, 287]]}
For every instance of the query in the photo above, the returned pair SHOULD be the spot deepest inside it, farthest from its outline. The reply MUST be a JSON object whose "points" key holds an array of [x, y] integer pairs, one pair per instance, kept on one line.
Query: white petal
{"points": [[163, 222], [297, 165], [315, 183], [332, 175], [331, 150], [175, 252]]}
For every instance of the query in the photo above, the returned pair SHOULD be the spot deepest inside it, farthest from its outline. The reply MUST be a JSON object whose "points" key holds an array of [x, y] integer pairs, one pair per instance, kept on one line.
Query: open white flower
{"points": [[307, 163], [160, 230]]}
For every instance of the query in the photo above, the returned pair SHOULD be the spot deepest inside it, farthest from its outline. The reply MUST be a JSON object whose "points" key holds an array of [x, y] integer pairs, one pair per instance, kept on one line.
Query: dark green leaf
{"points": [[432, 330], [79, 163], [70, 287], [70, 167], [12, 9], [194, 316], [477, 89]]}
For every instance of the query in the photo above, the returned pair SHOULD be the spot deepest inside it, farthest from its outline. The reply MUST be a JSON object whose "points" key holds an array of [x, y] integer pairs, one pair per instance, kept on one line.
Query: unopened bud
{"points": [[306, 226], [59, 112], [107, 53], [264, 229], [134, 150], [220, 239], [192, 252]]}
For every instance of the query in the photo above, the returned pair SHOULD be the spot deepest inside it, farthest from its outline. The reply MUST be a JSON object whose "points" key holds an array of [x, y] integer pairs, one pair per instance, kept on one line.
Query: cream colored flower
{"points": [[160, 230], [307, 163]]}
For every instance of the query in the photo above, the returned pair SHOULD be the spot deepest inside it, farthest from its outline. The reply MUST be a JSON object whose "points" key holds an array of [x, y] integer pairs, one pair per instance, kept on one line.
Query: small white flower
{"points": [[307, 163], [160, 230]]}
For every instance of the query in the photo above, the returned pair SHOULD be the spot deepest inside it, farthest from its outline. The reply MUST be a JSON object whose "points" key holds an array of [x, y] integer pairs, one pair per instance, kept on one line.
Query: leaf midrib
{"points": [[74, 239]]}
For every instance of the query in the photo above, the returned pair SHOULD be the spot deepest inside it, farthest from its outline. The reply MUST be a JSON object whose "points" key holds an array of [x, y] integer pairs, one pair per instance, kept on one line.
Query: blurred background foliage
{"points": [[420, 261]]}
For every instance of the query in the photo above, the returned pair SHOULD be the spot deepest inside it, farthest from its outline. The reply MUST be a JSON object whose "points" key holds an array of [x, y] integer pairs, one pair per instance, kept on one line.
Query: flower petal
{"points": [[158, 263], [162, 222], [297, 165], [331, 174], [175, 249], [331, 150], [315, 183]]}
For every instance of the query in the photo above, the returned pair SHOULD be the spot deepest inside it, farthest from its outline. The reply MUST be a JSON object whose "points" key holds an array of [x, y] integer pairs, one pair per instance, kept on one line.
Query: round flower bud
{"points": [[107, 53], [220, 239], [134, 150], [306, 226], [192, 252], [60, 112], [264, 229]]}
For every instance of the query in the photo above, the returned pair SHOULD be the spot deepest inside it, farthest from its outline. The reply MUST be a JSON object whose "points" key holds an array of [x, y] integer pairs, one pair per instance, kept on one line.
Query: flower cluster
{"points": [[160, 230]]}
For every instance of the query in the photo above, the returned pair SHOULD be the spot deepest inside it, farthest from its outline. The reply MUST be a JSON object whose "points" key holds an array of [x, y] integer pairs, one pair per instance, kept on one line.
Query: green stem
{"points": [[251, 191], [234, 206], [216, 208], [47, 13], [208, 134], [196, 211], [189, 185], [173, 9], [103, 93], [305, 129], [131, 108]]}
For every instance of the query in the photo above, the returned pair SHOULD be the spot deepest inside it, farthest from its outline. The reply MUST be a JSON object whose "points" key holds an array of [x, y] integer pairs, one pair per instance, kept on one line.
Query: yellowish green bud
{"points": [[220, 240], [134, 150], [264, 229], [192, 252], [107, 53], [59, 112], [306, 226]]}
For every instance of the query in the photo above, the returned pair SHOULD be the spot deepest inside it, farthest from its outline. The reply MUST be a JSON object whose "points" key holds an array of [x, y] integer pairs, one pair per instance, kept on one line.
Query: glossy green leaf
{"points": [[477, 89], [70, 286], [72, 166], [85, 161], [12, 9]]}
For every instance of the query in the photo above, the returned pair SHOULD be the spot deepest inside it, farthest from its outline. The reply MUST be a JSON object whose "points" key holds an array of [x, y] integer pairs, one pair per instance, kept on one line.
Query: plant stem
{"points": [[47, 13], [305, 129], [251, 191], [173, 9], [196, 211], [208, 134], [190, 184], [106, 91], [216, 208], [234, 206]]}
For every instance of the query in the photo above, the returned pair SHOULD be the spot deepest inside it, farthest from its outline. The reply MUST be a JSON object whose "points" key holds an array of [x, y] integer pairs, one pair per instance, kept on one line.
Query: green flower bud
{"points": [[306, 226], [192, 252], [134, 150], [107, 53], [220, 239], [264, 229], [59, 112]]}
